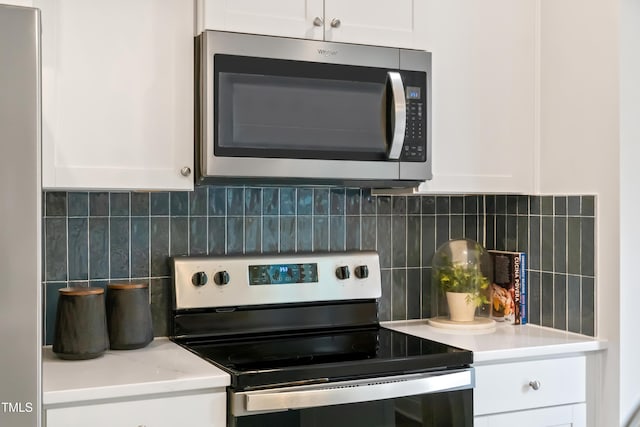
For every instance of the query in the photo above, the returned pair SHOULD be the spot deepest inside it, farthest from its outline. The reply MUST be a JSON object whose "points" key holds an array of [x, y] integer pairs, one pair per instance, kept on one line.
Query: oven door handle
{"points": [[399, 114], [350, 392]]}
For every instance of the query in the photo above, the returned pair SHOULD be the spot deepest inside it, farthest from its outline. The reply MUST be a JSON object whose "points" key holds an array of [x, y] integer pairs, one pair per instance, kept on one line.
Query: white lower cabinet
{"points": [[556, 416], [200, 410], [537, 393]]}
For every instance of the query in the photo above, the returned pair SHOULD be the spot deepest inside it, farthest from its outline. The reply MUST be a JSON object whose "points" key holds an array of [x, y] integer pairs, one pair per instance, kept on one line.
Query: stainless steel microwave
{"points": [[280, 110]]}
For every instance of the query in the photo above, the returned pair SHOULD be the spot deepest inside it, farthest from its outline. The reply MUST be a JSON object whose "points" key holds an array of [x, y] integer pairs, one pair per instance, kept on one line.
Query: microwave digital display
{"points": [[413, 92]]}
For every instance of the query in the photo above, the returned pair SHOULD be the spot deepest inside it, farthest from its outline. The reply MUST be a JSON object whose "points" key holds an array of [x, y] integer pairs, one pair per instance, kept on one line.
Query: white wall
{"points": [[629, 206], [579, 148]]}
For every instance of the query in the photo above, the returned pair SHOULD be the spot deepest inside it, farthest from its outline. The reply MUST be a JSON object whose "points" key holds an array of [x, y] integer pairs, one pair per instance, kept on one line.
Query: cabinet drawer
{"points": [[506, 386], [205, 410]]}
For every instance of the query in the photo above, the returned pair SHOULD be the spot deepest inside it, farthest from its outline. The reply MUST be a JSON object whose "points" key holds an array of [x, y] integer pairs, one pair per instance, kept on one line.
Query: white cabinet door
{"points": [[286, 18], [531, 393], [117, 94], [557, 416], [372, 22], [483, 95], [25, 3], [199, 410]]}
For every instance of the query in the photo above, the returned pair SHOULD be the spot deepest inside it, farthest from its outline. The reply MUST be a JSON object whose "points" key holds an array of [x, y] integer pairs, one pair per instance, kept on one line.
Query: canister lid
{"points": [[81, 291], [127, 285]]}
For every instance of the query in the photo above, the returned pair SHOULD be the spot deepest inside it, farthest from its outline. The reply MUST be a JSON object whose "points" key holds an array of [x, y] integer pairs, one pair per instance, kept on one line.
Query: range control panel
{"points": [[283, 274], [217, 282]]}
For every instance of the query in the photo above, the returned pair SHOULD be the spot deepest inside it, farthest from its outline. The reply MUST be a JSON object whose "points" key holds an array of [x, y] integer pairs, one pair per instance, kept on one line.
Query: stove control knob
{"points": [[362, 272], [199, 279], [221, 278], [342, 272]]}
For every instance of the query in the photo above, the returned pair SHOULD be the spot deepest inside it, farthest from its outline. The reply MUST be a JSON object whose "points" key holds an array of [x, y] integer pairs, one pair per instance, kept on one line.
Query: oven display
{"points": [[282, 274]]}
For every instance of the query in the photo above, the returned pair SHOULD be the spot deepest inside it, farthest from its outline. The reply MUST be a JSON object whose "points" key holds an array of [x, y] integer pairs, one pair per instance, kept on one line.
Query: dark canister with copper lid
{"points": [[129, 315], [80, 330]]}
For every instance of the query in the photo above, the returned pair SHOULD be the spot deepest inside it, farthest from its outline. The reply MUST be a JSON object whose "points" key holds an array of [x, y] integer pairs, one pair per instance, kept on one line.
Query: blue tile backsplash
{"points": [[558, 233], [91, 239]]}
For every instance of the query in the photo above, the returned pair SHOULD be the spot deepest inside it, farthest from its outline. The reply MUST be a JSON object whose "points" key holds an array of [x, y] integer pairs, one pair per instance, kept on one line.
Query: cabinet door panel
{"points": [[484, 102], [202, 410], [557, 416], [117, 94], [373, 22], [286, 18], [25, 3]]}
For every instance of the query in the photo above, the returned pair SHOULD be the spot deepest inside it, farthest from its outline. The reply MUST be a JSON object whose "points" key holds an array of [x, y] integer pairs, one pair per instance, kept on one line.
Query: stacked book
{"points": [[509, 287]]}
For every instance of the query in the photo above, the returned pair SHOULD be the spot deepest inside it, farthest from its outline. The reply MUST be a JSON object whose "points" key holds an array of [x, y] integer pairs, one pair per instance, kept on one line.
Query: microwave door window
{"points": [[300, 117]]}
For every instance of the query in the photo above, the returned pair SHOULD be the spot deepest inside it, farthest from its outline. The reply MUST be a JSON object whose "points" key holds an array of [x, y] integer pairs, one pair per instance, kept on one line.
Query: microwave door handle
{"points": [[399, 114]]}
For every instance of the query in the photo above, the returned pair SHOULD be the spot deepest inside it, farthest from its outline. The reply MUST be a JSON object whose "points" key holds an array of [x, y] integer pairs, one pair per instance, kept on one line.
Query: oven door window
{"points": [[450, 409], [294, 109]]}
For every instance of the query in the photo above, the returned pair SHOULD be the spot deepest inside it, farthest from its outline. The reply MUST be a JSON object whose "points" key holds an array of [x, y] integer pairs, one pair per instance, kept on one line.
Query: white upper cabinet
{"points": [[583, 99], [372, 22], [24, 3], [286, 18], [117, 94], [484, 95]]}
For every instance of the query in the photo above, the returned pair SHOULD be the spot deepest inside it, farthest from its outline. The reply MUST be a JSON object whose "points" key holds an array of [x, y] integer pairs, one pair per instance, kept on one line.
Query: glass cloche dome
{"points": [[461, 266]]}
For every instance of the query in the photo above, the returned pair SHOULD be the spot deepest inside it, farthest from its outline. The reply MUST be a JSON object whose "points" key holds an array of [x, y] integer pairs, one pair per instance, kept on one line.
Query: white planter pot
{"points": [[459, 309]]}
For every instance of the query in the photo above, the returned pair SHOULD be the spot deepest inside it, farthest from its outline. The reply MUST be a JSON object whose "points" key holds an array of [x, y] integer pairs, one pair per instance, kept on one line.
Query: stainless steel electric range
{"points": [[300, 337]]}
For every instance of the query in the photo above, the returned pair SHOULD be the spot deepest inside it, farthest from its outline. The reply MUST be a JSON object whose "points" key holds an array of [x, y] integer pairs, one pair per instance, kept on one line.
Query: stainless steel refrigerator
{"points": [[20, 218]]}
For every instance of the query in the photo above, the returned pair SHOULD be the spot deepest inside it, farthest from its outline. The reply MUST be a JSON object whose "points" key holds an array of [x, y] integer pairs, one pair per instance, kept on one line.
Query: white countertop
{"points": [[505, 342], [164, 367], [161, 367]]}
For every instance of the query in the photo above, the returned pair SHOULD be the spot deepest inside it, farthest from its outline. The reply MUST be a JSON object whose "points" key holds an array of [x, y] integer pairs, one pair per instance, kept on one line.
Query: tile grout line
{"points": [[422, 297], [189, 222], [295, 220], [226, 220], [66, 225], [44, 286], [130, 236], [109, 235], [406, 257], [360, 198], [328, 241], [88, 265], [149, 228], [566, 264], [313, 220], [344, 220], [553, 261]]}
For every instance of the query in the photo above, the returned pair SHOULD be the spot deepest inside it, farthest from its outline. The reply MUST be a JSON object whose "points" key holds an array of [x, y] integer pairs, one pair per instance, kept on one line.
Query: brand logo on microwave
{"points": [[327, 52]]}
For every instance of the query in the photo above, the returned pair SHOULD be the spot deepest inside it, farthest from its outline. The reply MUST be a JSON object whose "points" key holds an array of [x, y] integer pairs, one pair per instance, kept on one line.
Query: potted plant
{"points": [[460, 270]]}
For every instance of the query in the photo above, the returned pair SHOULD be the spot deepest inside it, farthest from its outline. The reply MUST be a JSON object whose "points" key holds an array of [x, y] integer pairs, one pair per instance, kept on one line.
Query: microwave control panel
{"points": [[415, 141]]}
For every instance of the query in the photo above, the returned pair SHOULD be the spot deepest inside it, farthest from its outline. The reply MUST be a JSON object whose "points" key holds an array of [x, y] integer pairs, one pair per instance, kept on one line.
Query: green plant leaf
{"points": [[466, 278]]}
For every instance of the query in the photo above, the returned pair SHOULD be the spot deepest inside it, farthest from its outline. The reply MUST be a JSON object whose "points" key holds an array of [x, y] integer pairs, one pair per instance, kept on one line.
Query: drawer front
{"points": [[511, 386], [205, 410]]}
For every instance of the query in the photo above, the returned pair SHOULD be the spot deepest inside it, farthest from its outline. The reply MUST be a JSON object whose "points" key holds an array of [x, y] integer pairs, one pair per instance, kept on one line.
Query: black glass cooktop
{"points": [[258, 362]]}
